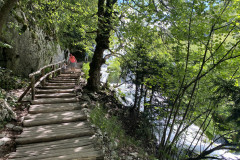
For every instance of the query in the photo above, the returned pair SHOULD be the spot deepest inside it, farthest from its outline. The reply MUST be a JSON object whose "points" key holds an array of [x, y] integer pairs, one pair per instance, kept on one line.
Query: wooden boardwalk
{"points": [[55, 127]]}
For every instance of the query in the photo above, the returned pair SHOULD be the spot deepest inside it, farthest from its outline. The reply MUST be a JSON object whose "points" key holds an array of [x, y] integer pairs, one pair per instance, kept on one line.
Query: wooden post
{"points": [[53, 75], [33, 87], [60, 66], [43, 74], [48, 77]]}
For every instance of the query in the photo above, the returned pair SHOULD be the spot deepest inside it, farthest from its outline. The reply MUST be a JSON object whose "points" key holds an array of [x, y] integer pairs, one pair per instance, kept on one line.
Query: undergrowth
{"points": [[86, 69], [9, 81], [112, 127]]}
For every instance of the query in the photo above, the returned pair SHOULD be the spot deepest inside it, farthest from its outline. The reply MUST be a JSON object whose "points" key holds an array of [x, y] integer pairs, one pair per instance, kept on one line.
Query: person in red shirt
{"points": [[73, 62]]}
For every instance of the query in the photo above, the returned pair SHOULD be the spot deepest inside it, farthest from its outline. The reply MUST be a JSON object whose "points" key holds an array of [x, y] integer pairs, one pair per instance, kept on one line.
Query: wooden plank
{"points": [[42, 91], [54, 135], [56, 146], [50, 131], [53, 143], [72, 153], [60, 84], [53, 118], [54, 100], [55, 95], [47, 108], [53, 148], [42, 129], [69, 75], [48, 116], [58, 87], [63, 81]]}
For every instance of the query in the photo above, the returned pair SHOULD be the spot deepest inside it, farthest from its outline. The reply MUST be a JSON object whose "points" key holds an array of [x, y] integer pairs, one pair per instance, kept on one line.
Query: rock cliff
{"points": [[30, 48]]}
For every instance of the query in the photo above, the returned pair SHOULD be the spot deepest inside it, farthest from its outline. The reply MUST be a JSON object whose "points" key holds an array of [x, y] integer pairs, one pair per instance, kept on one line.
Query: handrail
{"points": [[39, 71], [42, 78], [34, 84]]}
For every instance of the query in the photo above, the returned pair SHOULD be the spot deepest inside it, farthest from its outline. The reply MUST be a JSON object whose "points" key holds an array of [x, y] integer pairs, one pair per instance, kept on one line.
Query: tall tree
{"points": [[105, 16], [201, 38]]}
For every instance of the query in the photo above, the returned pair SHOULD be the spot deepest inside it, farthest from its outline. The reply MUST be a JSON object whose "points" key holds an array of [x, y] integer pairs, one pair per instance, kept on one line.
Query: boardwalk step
{"points": [[54, 132], [58, 87], [43, 91], [66, 78], [55, 95], [78, 153], [47, 108], [63, 81], [60, 84], [73, 148], [54, 100], [53, 118], [69, 75]]}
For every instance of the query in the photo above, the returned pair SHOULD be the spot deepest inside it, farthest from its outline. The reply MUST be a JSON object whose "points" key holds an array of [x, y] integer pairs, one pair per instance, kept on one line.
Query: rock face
{"points": [[31, 49]]}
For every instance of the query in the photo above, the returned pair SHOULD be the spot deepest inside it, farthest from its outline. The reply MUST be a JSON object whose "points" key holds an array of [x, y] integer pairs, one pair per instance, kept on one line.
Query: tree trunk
{"points": [[95, 68], [4, 12], [102, 40]]}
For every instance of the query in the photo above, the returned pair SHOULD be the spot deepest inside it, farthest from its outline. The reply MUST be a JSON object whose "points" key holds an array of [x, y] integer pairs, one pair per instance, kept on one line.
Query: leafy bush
{"points": [[5, 114], [86, 68], [5, 45], [111, 126], [9, 81]]}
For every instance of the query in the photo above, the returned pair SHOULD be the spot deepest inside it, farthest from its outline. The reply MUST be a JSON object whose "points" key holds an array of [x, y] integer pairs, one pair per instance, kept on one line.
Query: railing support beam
{"points": [[33, 87]]}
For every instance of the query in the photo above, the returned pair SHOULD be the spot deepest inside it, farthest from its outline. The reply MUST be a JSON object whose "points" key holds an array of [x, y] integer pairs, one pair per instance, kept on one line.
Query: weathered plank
{"points": [[73, 153], [44, 91], [67, 126], [47, 108], [60, 84], [69, 75], [63, 81], [53, 118], [53, 149], [66, 78], [53, 135], [56, 143], [58, 87], [53, 115], [55, 95], [54, 100]]}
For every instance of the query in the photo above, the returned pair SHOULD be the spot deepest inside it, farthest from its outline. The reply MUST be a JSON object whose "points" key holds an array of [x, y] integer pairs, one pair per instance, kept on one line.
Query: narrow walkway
{"points": [[55, 127]]}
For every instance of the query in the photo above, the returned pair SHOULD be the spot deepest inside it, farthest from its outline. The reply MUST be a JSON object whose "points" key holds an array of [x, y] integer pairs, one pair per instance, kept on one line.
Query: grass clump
{"points": [[108, 125]]}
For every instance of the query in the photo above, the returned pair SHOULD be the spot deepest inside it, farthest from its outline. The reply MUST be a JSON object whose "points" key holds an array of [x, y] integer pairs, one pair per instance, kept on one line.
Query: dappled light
{"points": [[120, 79]]}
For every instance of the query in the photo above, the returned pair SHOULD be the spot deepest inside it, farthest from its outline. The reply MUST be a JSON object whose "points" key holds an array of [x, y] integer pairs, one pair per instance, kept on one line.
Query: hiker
{"points": [[73, 62], [64, 67], [86, 56]]}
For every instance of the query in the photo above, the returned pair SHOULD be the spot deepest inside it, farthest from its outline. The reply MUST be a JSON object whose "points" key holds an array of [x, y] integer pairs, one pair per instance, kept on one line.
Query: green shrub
{"points": [[109, 125], [86, 68], [9, 81], [11, 101]]}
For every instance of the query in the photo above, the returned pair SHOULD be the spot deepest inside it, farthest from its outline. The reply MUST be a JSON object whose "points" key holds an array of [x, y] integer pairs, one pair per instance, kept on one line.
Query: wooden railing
{"points": [[54, 68]]}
